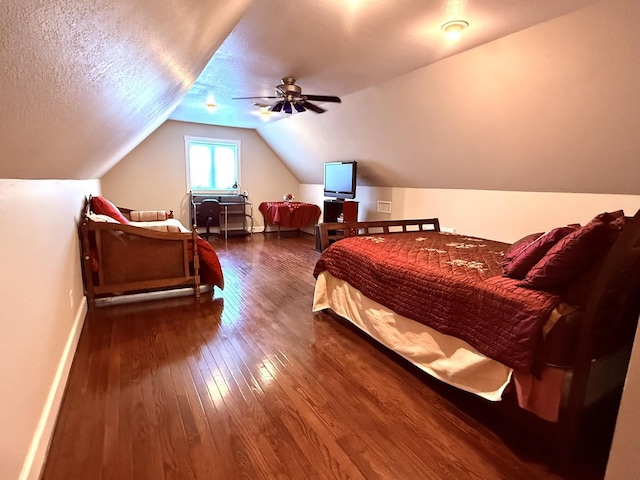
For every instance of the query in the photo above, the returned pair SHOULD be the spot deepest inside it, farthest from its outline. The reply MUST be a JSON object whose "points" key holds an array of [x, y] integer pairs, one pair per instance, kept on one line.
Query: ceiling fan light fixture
{"points": [[453, 30], [289, 97]]}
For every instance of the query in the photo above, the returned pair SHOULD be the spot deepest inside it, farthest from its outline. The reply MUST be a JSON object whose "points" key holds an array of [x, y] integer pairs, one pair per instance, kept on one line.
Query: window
{"points": [[213, 165]]}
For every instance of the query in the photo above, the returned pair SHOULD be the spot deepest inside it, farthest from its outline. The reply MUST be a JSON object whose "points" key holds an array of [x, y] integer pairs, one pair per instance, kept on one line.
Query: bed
{"points": [[542, 328], [126, 252]]}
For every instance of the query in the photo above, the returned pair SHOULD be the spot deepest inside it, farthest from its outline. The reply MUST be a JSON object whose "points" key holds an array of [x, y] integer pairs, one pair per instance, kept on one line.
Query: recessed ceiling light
{"points": [[210, 104], [453, 30]]}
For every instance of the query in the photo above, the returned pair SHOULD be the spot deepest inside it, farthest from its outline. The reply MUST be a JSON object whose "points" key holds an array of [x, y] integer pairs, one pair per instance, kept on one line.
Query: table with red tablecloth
{"points": [[289, 214]]}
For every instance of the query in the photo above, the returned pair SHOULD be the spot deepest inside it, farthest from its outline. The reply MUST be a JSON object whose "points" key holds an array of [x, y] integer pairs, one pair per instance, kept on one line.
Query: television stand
{"points": [[332, 210], [334, 207]]}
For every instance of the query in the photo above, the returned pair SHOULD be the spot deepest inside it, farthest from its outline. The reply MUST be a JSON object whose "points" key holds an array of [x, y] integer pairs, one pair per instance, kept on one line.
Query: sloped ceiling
{"points": [[84, 81], [548, 100], [535, 96], [554, 107], [338, 47]]}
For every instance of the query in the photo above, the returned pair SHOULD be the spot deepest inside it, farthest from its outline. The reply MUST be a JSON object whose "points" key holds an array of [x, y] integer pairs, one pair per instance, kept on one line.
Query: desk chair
{"points": [[208, 215]]}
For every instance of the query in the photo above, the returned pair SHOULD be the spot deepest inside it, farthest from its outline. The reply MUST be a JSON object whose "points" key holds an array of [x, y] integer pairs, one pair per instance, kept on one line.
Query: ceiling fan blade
{"points": [[323, 98], [287, 107], [277, 107], [249, 98], [313, 108], [299, 107]]}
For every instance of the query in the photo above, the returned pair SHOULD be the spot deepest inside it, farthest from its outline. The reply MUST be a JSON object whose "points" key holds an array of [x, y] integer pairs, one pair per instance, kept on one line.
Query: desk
{"points": [[289, 214], [236, 213], [241, 211]]}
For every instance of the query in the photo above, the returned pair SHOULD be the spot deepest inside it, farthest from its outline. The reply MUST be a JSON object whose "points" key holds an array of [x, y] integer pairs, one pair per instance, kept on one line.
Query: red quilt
{"points": [[210, 269], [452, 283]]}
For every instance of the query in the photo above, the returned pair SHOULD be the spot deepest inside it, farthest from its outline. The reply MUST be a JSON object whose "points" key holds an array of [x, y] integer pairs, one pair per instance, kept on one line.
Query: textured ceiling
{"points": [[84, 81], [339, 47]]}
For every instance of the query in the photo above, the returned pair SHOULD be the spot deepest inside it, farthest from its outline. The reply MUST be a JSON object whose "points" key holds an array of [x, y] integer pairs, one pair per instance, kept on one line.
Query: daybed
{"points": [[542, 327], [126, 252]]}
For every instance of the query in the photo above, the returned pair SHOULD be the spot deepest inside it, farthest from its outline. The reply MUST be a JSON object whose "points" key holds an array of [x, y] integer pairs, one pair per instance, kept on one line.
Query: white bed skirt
{"points": [[444, 357]]}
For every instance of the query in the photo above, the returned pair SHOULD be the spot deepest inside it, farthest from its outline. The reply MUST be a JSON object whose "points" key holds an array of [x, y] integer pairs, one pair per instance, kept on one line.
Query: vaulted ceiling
{"points": [[340, 47], [531, 87]]}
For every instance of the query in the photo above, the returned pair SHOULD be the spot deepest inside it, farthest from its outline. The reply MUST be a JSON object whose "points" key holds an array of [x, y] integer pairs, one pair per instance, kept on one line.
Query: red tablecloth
{"points": [[289, 214]]}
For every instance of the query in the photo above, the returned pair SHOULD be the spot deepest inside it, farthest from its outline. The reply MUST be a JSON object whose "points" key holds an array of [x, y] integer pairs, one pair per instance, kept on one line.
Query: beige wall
{"points": [[507, 216], [498, 215], [43, 309], [153, 176]]}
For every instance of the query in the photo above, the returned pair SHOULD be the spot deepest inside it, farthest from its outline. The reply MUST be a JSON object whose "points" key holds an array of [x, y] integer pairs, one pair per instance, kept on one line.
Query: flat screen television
{"points": [[340, 179]]}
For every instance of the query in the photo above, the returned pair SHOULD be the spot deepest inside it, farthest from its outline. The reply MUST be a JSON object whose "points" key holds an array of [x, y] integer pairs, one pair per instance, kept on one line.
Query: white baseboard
{"points": [[32, 466]]}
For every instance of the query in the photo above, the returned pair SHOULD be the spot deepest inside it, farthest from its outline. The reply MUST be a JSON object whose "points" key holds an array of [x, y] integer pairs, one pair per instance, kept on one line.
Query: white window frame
{"points": [[213, 141]]}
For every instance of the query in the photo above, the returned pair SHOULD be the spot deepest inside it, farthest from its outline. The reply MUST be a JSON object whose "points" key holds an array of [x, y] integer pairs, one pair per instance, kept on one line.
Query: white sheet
{"points": [[445, 357]]}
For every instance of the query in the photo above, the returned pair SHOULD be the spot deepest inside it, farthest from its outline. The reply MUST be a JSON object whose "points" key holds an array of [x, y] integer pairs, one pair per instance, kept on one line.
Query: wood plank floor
{"points": [[250, 384]]}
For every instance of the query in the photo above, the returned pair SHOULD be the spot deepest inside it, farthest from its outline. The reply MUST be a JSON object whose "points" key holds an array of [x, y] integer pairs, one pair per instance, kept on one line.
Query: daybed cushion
{"points": [[103, 206], [573, 254]]}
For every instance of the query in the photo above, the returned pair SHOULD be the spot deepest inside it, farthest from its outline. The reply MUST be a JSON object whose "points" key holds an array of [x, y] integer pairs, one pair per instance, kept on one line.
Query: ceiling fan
{"points": [[290, 97]]}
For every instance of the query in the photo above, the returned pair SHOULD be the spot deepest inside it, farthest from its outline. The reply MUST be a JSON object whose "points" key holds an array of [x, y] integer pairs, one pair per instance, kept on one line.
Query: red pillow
{"points": [[534, 251], [516, 248], [103, 206], [574, 254]]}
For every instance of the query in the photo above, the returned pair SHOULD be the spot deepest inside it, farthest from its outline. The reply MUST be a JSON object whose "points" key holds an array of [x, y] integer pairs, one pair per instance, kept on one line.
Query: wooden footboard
{"points": [[331, 232]]}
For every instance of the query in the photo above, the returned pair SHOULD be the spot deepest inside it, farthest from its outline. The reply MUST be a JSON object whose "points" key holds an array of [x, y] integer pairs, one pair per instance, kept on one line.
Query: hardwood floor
{"points": [[250, 384]]}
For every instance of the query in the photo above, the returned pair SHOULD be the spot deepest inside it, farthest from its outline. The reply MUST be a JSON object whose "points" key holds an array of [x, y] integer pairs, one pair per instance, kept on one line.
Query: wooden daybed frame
{"points": [[614, 294], [132, 259]]}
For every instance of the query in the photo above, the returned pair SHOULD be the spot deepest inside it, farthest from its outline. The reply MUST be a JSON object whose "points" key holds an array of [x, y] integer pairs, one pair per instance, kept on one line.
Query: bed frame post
{"points": [[86, 256], [196, 261]]}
